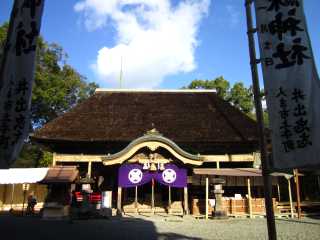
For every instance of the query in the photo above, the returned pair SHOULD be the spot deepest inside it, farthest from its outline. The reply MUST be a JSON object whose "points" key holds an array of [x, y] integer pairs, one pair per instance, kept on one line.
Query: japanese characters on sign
{"points": [[291, 82], [18, 81]]}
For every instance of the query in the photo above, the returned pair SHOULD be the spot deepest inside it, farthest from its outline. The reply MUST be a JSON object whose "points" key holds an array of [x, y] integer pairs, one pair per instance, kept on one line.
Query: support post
{"points": [[272, 233], [169, 202], [119, 201], [4, 196], [89, 168], [298, 193], [290, 197], [12, 198], [152, 198], [279, 192], [249, 199], [125, 194], [207, 197], [186, 201], [136, 201]]}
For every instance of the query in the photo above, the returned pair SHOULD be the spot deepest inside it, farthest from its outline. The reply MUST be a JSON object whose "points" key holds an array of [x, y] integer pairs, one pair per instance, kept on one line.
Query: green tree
{"points": [[239, 96], [29, 156], [3, 33], [57, 86], [46, 159]]}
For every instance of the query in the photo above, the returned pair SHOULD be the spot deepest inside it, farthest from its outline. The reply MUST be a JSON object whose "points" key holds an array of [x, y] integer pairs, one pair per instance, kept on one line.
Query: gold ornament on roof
{"points": [[153, 131]]}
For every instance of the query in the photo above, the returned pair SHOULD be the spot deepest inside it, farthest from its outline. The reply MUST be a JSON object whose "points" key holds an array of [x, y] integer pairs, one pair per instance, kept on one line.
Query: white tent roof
{"points": [[22, 175]]}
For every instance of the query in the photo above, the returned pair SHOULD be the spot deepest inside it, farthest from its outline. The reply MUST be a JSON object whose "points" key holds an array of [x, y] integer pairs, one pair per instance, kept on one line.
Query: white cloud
{"points": [[156, 39]]}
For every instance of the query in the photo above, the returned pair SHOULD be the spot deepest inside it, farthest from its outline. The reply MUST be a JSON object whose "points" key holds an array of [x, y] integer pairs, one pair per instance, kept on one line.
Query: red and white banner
{"points": [[291, 82], [18, 81]]}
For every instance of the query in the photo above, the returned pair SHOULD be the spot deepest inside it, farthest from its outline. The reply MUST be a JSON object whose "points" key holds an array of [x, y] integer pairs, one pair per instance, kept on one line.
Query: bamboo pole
{"points": [[298, 193], [207, 197], [249, 199], [8, 44], [290, 197], [261, 128]]}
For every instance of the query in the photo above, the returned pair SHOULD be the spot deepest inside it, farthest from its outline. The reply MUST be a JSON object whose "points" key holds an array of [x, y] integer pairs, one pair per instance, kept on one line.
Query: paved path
{"points": [[148, 227]]}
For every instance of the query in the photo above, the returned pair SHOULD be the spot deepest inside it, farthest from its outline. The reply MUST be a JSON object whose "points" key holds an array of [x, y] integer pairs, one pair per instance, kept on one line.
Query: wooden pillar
{"points": [[298, 194], [207, 196], [169, 202], [136, 201], [186, 200], [125, 194], [12, 197], [279, 191], [89, 168], [54, 159], [249, 199], [152, 198], [4, 196], [218, 164], [119, 200], [290, 198]]}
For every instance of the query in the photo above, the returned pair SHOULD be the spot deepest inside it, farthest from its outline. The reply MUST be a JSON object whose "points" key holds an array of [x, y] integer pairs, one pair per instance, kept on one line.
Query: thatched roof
{"points": [[125, 115]]}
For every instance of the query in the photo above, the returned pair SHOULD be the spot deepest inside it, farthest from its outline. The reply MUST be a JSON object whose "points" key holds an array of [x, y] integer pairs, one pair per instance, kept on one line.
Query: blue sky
{"points": [[165, 44]]}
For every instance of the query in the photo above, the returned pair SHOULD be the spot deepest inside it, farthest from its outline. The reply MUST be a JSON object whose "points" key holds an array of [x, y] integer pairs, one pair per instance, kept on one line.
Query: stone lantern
{"points": [[219, 212], [85, 210]]}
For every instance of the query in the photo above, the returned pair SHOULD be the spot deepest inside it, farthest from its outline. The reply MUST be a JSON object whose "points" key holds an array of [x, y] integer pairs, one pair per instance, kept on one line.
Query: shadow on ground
{"points": [[34, 228]]}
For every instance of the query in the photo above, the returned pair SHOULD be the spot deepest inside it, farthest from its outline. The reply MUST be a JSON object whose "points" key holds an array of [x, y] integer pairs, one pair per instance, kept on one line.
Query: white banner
{"points": [[18, 82], [291, 82]]}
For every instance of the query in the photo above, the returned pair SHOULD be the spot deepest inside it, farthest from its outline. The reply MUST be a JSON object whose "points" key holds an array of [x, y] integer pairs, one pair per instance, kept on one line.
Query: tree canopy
{"points": [[239, 96], [57, 88]]}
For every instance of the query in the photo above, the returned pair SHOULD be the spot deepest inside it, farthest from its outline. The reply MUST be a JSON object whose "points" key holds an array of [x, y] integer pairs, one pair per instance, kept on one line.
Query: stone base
{"points": [[219, 215]]}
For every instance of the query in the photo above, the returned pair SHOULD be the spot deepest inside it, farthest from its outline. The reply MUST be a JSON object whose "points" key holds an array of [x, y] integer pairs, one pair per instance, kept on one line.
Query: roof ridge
{"points": [[155, 90]]}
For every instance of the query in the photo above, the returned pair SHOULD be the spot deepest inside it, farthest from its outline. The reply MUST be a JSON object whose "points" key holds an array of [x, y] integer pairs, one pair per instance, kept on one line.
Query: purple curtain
{"points": [[172, 176], [133, 175]]}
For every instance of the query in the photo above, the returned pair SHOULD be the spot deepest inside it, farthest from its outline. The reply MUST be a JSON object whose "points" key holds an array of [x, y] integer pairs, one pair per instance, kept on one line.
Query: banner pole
{"points": [[8, 43], [261, 128]]}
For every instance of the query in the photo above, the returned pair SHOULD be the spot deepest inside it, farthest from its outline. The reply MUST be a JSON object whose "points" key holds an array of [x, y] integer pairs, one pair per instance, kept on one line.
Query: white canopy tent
{"points": [[22, 175], [19, 176]]}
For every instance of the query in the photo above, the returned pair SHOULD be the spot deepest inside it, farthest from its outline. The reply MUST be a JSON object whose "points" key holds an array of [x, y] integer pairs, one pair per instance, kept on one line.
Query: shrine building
{"points": [[155, 149]]}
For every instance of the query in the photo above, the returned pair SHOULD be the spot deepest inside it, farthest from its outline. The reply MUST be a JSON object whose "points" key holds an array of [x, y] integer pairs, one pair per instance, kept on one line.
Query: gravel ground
{"points": [[149, 228]]}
